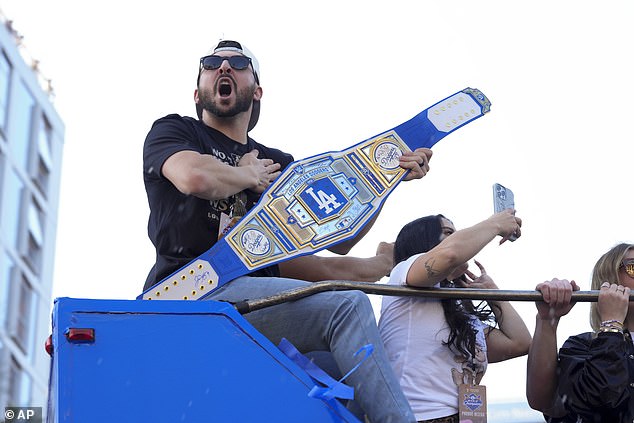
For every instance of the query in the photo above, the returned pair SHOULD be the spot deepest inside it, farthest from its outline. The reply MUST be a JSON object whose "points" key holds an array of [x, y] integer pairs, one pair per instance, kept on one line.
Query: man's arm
{"points": [[314, 268], [541, 376], [204, 176]]}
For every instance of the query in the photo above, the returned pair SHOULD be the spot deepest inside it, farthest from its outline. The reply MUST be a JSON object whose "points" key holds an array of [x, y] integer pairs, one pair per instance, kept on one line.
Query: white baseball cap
{"points": [[230, 45]]}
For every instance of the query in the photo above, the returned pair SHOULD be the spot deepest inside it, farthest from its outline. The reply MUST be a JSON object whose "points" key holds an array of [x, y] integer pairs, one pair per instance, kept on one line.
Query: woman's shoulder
{"points": [[578, 342], [585, 337], [398, 275]]}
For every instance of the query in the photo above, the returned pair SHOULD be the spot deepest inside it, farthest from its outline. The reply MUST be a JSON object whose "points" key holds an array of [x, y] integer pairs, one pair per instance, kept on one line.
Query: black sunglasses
{"points": [[214, 62], [628, 264]]}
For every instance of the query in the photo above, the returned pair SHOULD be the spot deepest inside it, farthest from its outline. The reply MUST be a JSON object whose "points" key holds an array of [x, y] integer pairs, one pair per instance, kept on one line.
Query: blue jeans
{"points": [[338, 321]]}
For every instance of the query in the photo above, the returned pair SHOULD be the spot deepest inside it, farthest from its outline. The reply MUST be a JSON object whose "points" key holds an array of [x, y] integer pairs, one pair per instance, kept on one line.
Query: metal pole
{"points": [[381, 289]]}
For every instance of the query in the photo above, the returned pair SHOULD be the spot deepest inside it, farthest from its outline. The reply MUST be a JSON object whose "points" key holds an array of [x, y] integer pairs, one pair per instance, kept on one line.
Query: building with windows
{"points": [[31, 143]]}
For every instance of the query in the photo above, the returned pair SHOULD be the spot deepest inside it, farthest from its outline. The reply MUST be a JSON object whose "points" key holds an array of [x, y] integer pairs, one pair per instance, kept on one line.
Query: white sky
{"points": [[334, 73]]}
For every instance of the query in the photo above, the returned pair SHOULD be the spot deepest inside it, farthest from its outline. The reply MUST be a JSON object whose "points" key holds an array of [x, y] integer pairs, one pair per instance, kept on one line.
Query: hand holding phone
{"points": [[503, 199]]}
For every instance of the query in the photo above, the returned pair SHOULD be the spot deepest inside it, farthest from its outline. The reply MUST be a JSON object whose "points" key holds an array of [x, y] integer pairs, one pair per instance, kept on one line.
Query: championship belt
{"points": [[319, 201]]}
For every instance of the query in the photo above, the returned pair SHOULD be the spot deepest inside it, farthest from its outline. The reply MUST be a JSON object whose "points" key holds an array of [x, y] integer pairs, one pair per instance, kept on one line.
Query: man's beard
{"points": [[244, 98]]}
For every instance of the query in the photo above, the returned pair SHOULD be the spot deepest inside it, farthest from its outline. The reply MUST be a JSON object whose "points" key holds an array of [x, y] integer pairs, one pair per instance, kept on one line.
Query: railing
{"points": [[248, 306]]}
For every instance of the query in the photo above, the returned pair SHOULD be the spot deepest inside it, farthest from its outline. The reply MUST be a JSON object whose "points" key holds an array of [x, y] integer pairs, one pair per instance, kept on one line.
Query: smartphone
{"points": [[503, 199]]}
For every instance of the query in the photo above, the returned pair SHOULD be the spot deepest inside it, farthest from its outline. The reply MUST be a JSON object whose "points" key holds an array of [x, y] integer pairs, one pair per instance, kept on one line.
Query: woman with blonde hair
{"points": [[592, 379]]}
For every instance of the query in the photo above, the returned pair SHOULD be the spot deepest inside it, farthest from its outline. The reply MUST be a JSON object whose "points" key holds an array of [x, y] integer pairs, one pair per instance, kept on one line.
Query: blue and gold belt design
{"points": [[319, 201]]}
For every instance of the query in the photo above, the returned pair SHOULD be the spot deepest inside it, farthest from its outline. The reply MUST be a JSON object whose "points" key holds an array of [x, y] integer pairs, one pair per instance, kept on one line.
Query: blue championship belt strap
{"points": [[319, 201]]}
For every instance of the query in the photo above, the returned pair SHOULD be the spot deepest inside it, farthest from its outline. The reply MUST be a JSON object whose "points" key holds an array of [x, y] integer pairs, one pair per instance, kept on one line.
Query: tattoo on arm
{"points": [[429, 267]]}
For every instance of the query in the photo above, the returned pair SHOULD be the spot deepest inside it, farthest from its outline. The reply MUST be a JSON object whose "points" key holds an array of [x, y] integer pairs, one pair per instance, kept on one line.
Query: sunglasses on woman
{"points": [[628, 265], [214, 62]]}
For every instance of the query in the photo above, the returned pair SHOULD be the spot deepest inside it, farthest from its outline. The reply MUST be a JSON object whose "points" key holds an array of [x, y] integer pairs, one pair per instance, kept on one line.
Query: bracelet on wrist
{"points": [[604, 329], [611, 326]]}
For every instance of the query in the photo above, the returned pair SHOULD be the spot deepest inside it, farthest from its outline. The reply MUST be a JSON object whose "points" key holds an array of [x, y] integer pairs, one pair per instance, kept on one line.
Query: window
{"points": [[19, 385], [14, 378], [5, 79], [43, 162], [31, 249], [24, 390], [11, 206], [19, 134], [3, 165], [6, 269], [21, 313], [4, 373]]}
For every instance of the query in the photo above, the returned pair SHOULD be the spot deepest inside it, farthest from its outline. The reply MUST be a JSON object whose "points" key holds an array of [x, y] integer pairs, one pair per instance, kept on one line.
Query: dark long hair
{"points": [[420, 236]]}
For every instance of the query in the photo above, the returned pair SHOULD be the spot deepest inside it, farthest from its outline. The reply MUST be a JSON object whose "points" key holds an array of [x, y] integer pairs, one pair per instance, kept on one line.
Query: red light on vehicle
{"points": [[80, 335], [48, 345]]}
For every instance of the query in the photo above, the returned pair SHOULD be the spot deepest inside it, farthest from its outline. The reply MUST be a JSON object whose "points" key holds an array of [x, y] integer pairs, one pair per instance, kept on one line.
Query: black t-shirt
{"points": [[182, 227]]}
